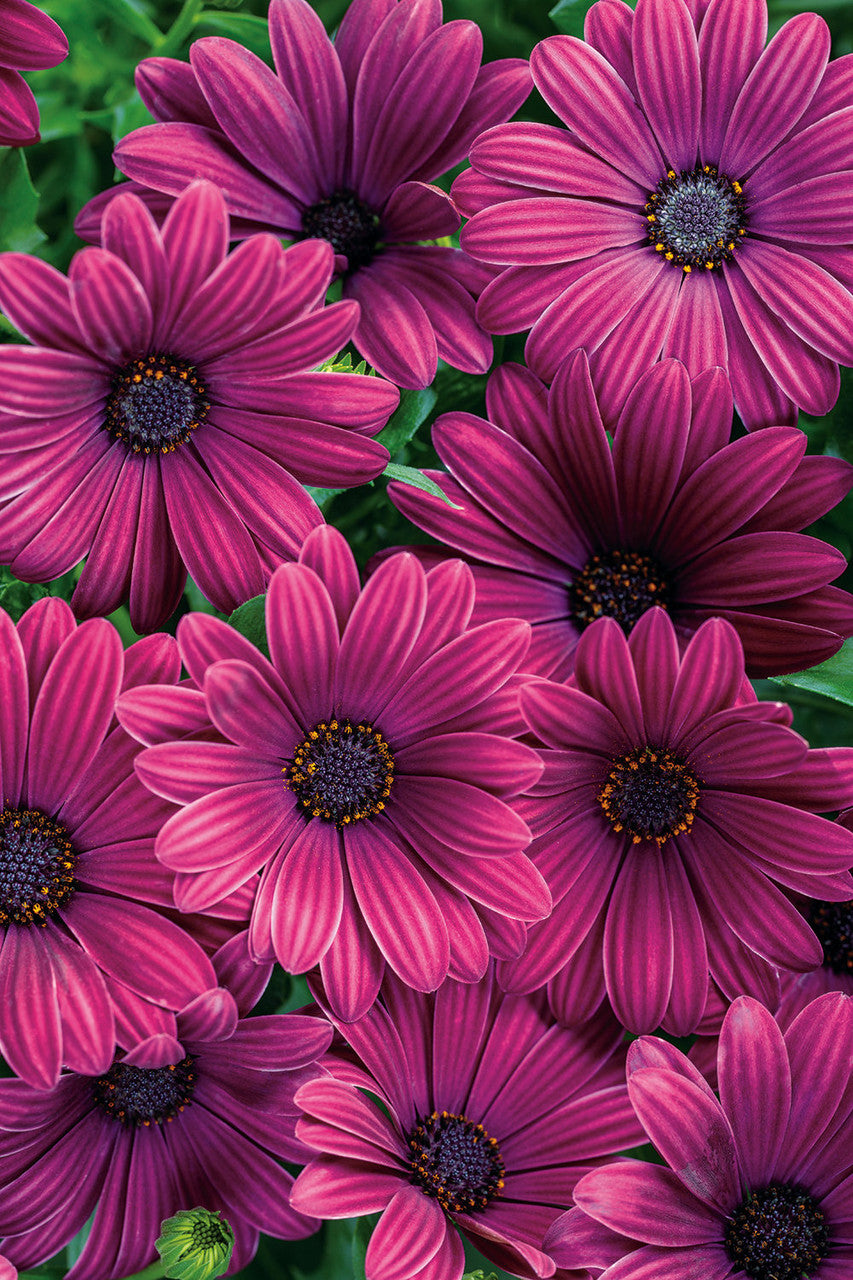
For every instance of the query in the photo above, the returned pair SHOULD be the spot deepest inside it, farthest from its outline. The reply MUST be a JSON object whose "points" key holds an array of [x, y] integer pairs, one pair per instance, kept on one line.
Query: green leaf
{"points": [[361, 1239], [568, 16], [417, 479], [322, 496], [133, 16], [413, 410], [75, 1247], [18, 204], [244, 27], [833, 678], [249, 620]]}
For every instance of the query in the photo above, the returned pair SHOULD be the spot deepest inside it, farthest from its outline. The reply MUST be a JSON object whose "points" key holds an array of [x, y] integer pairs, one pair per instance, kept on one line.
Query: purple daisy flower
{"points": [[88, 959], [671, 816], [368, 771], [343, 143], [562, 529], [759, 1185], [178, 1122], [29, 41], [170, 411], [489, 1115], [786, 994], [699, 206]]}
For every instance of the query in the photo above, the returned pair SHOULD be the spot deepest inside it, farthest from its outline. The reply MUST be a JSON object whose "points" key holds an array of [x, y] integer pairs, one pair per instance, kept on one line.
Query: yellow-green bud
{"points": [[195, 1245]]}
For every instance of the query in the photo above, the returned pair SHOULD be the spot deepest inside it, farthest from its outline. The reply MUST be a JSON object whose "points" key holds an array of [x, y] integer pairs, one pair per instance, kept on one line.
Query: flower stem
{"points": [[170, 42]]}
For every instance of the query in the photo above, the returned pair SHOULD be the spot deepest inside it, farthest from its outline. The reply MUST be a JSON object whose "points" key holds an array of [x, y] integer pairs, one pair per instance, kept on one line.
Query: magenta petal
{"points": [[337, 1188], [140, 949], [30, 1027], [619, 1196], [110, 304], [755, 1086], [638, 942], [250, 817], [308, 900], [691, 1132], [399, 908], [298, 605], [588, 96], [407, 1236], [394, 333], [81, 688], [776, 93], [666, 61], [201, 517], [353, 966], [14, 722], [309, 68]]}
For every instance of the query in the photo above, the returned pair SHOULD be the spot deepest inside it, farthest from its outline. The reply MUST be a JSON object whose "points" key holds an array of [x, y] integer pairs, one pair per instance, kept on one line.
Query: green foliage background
{"points": [[87, 104]]}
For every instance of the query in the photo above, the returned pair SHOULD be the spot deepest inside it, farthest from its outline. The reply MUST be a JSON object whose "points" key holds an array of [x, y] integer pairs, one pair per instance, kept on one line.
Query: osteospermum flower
{"points": [[487, 1115], [196, 1120], [563, 529], [699, 205], [758, 1184], [29, 41], [167, 417], [671, 815], [342, 143], [87, 958], [368, 771]]}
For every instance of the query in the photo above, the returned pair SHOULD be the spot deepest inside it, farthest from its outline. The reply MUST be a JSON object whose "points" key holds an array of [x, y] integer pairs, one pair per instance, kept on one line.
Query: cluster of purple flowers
{"points": [[511, 796]]}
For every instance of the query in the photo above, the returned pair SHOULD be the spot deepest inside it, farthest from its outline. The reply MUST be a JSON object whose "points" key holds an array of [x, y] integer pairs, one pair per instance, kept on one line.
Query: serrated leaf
{"points": [[18, 204], [322, 496], [832, 679], [413, 410], [249, 620], [417, 479]]}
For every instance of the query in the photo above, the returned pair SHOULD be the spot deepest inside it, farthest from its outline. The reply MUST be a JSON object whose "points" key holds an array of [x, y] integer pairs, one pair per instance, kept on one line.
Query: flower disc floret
{"points": [[155, 405], [341, 772], [617, 584], [455, 1160], [696, 219], [37, 861], [146, 1095], [351, 227], [651, 795], [777, 1233]]}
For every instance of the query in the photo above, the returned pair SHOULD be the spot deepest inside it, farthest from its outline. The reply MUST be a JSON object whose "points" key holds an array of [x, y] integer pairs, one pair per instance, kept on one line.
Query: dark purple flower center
{"points": [[156, 404], [617, 584], [341, 772], [696, 219], [833, 924], [351, 227], [146, 1095], [650, 795], [777, 1233], [455, 1160], [37, 862]]}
